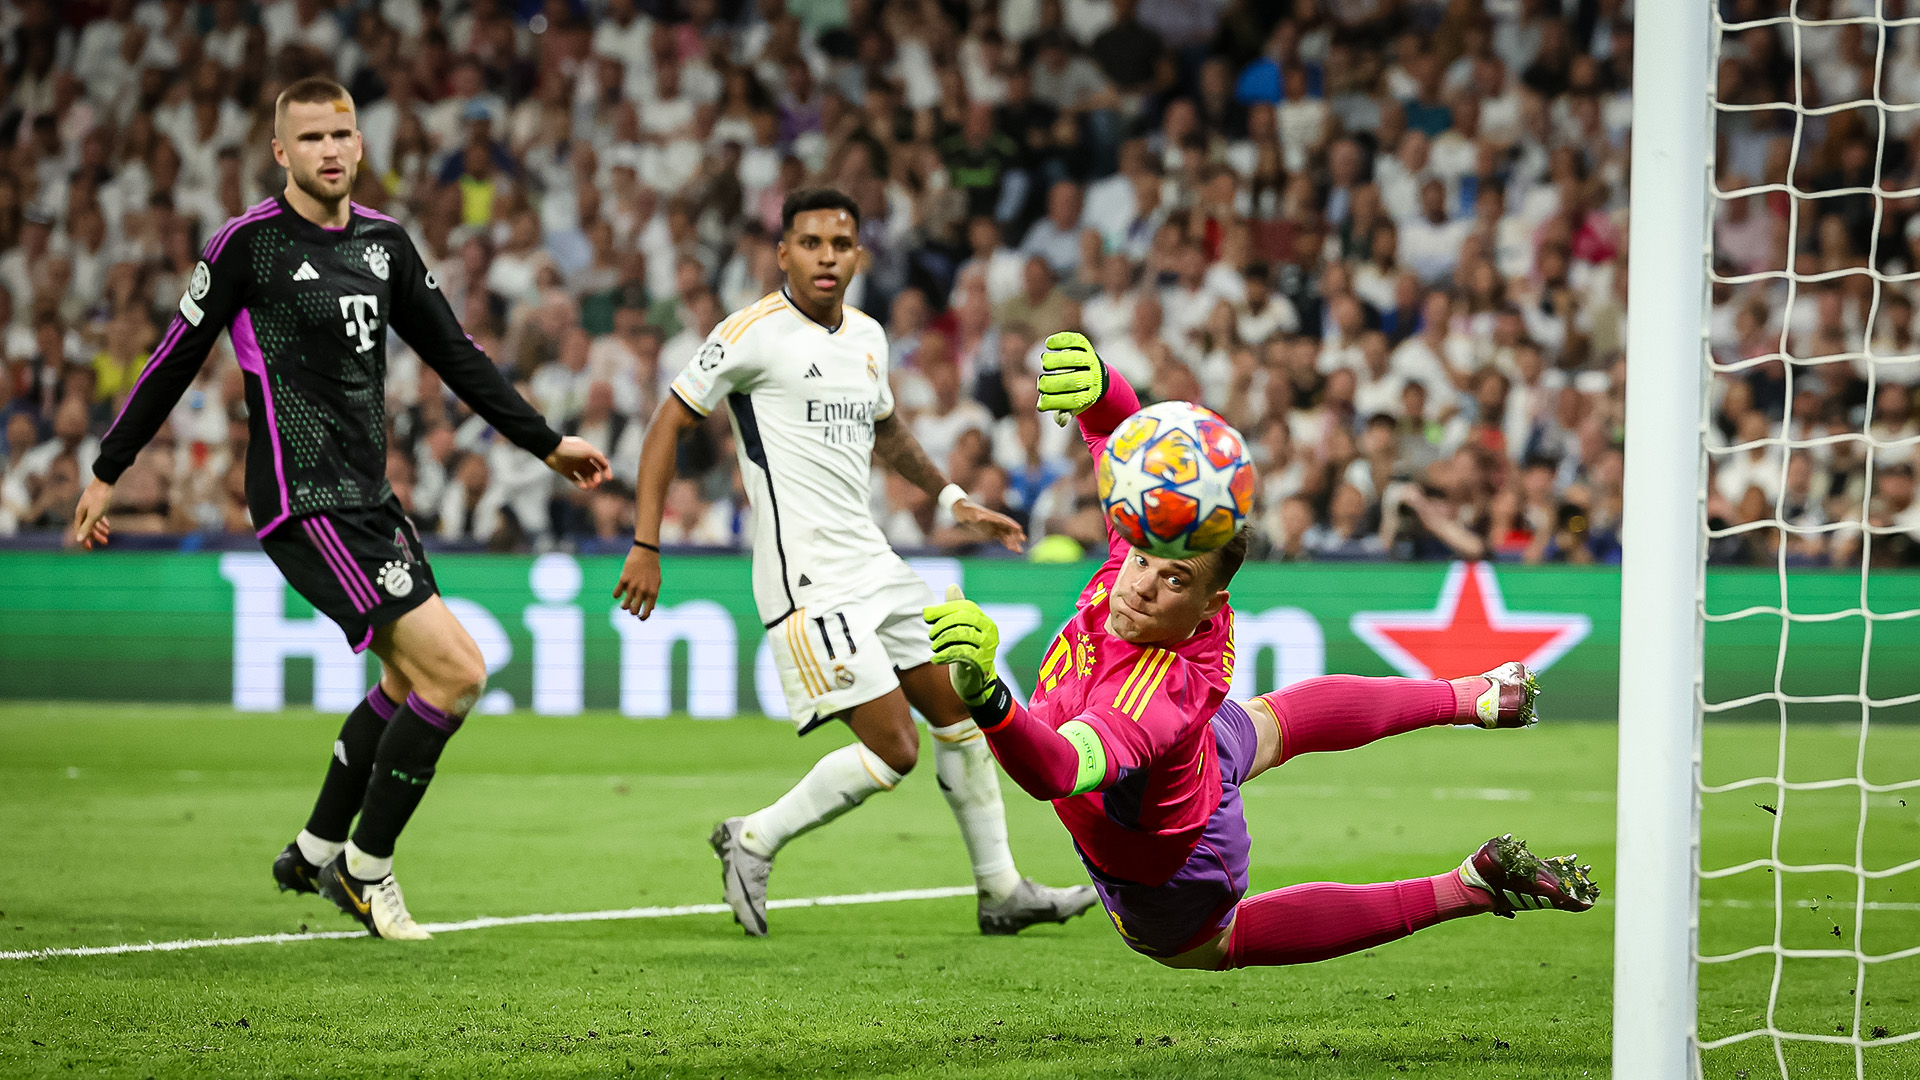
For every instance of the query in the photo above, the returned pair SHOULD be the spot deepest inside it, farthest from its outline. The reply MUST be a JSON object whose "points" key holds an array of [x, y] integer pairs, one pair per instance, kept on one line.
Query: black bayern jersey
{"points": [[307, 309]]}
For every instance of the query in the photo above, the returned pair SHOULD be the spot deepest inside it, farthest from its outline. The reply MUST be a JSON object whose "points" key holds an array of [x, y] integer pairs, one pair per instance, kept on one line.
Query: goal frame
{"points": [[1662, 573]]}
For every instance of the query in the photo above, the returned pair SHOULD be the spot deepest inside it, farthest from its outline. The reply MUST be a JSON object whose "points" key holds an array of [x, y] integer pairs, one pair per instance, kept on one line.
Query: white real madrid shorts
{"points": [[835, 655]]}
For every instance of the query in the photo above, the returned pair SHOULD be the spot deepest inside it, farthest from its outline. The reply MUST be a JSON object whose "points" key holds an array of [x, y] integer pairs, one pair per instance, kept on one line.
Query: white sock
{"points": [[317, 851], [970, 780], [367, 867], [836, 784]]}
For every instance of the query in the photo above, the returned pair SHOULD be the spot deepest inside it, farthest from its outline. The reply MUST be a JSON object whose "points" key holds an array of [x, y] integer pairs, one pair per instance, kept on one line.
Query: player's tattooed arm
{"points": [[897, 449], [900, 451]]}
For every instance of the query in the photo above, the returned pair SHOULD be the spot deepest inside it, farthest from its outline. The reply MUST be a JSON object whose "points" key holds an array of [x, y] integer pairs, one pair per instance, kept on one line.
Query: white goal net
{"points": [[1806, 939]]}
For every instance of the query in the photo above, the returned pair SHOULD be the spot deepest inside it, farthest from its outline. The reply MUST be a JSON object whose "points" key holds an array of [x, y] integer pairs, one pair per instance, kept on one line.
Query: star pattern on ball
{"points": [[1176, 480]]}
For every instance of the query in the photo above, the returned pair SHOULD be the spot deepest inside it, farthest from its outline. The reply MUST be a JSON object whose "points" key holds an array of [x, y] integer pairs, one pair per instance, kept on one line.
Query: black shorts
{"points": [[362, 567]]}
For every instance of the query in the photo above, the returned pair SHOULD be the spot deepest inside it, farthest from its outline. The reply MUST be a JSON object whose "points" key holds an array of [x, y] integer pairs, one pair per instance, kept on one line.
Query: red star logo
{"points": [[1469, 631]]}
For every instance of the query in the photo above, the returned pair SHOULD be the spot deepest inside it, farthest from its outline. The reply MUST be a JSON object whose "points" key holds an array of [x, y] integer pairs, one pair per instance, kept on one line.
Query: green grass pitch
{"points": [[124, 824]]}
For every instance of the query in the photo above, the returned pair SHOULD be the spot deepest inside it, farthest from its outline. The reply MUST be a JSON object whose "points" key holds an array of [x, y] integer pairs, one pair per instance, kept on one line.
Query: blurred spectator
{"points": [[940, 425], [1388, 240]]}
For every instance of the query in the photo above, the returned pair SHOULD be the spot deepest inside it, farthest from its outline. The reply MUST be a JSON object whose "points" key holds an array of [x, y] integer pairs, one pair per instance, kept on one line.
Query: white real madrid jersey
{"points": [[803, 400]]}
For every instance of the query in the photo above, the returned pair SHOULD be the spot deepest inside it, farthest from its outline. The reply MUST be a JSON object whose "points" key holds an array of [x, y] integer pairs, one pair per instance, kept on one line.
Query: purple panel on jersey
{"points": [[257, 212], [374, 214], [319, 542], [246, 349], [177, 328], [1199, 900]]}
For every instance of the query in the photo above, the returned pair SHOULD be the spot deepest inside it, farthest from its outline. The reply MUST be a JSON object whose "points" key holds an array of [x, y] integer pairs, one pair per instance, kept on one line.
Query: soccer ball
{"points": [[1175, 480]]}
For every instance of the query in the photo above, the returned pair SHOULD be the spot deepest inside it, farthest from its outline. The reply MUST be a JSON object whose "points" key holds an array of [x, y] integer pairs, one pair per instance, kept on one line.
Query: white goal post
{"points": [[1665, 604], [1662, 572]]}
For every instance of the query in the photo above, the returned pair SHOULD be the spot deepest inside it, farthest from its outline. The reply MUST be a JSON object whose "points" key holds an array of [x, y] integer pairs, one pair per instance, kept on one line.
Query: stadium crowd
{"points": [[1386, 238]]}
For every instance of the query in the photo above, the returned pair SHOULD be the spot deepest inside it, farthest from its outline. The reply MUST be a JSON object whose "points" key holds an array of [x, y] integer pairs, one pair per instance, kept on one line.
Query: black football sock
{"points": [[402, 768], [350, 767]]}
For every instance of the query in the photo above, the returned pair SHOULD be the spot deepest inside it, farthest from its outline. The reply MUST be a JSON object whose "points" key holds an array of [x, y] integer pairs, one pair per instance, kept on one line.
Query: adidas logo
{"points": [[813, 372], [306, 272]]}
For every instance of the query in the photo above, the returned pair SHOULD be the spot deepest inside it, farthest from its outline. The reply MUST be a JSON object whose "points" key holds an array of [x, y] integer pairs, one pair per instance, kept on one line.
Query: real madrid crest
{"points": [[396, 579], [377, 261], [873, 368], [842, 678]]}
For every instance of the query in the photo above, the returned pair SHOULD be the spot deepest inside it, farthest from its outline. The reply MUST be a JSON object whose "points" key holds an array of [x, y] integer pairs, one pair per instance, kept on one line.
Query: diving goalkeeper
{"points": [[1132, 738]]}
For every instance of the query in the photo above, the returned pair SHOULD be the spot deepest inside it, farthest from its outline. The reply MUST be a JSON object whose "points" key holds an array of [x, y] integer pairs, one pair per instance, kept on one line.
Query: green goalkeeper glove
{"points": [[965, 640], [1072, 378]]}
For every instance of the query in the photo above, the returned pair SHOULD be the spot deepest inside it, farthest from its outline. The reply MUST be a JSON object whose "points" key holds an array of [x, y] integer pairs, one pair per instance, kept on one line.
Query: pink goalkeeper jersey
{"points": [[1152, 707]]}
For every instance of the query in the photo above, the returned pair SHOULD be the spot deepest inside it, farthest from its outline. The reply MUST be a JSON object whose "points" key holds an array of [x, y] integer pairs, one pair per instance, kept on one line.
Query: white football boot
{"points": [[377, 904]]}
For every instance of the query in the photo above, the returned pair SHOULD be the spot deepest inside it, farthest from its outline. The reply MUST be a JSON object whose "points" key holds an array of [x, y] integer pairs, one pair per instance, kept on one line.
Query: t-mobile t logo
{"points": [[363, 318]]}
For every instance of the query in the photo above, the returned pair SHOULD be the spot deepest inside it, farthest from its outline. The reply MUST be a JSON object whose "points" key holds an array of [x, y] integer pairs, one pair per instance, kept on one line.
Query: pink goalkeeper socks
{"points": [[1341, 712], [1302, 924], [1454, 897]]}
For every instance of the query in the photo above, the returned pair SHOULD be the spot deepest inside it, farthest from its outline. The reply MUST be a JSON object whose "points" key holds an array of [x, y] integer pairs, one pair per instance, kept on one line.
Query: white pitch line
{"points": [[489, 922]]}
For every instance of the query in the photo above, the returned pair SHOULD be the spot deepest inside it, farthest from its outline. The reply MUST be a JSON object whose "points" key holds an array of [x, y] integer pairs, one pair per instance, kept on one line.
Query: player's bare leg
{"points": [[887, 750], [429, 652], [1008, 903]]}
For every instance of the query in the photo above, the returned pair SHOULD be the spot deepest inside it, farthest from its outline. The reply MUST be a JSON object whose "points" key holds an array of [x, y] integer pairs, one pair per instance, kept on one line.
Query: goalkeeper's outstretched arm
{"points": [[1047, 764], [1074, 380]]}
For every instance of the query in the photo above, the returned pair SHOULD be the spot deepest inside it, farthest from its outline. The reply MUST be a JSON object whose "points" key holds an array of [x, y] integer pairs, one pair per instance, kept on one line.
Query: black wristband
{"points": [[996, 710], [655, 548]]}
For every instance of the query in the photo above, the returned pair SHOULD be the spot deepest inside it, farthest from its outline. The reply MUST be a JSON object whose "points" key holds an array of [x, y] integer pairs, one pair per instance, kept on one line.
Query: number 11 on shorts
{"points": [[826, 638]]}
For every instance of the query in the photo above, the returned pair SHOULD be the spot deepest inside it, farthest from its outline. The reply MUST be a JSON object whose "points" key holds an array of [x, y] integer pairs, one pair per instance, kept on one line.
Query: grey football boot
{"points": [[743, 877], [1031, 902]]}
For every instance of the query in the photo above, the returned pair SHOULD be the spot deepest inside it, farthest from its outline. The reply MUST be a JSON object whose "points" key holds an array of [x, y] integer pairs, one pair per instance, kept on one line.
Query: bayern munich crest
{"points": [[396, 579], [377, 261]]}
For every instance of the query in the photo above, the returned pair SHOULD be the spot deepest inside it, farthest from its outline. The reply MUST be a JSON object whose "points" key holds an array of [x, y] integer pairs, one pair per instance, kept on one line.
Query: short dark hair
{"points": [[821, 198], [312, 90], [1226, 562]]}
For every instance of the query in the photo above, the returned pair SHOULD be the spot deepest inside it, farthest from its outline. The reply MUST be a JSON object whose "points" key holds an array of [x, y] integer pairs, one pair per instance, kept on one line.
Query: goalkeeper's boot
{"points": [[377, 904], [1508, 703], [293, 873], [1031, 902], [1519, 880], [743, 876]]}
